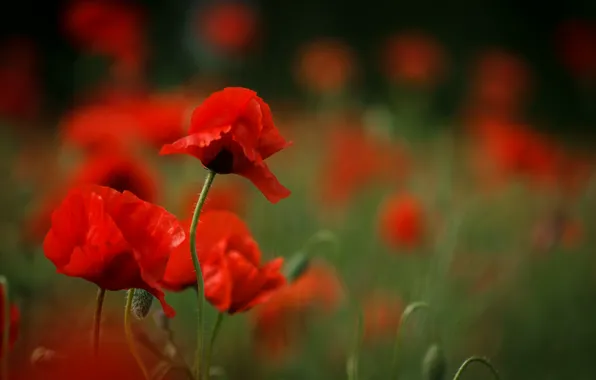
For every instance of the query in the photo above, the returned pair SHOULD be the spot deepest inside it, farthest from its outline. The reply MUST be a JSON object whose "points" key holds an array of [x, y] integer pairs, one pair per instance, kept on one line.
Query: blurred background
{"points": [[446, 148]]}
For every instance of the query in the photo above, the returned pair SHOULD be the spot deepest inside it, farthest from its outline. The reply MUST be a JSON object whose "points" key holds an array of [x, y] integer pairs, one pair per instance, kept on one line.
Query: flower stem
{"points": [[404, 318], [195, 260], [101, 293], [208, 354], [479, 359], [5, 328], [352, 364], [129, 335], [323, 236]]}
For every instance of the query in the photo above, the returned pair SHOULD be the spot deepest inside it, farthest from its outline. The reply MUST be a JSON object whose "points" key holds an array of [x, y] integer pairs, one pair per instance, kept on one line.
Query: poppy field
{"points": [[197, 200]]}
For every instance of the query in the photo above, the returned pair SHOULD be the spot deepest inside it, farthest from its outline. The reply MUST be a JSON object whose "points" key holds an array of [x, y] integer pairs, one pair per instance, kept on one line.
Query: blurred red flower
{"points": [[325, 66], [19, 81], [414, 58], [341, 177], [235, 280], [233, 132], [382, 316], [113, 239], [279, 322], [229, 196], [106, 27], [13, 331], [229, 27], [401, 221], [113, 169], [576, 44]]}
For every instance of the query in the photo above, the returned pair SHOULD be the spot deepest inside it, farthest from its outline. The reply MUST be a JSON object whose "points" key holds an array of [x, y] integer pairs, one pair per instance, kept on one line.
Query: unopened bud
{"points": [[141, 303], [434, 365], [296, 266]]}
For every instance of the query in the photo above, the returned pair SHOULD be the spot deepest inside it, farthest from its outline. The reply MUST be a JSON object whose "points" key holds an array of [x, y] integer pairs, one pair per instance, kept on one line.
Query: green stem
{"points": [[101, 293], [323, 236], [353, 360], [6, 328], [209, 352], [130, 337], [404, 318], [197, 266], [479, 359]]}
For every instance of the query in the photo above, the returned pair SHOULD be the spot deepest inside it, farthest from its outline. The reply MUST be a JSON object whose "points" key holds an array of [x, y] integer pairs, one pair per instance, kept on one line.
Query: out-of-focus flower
{"points": [[342, 176], [113, 239], [110, 28], [229, 27], [13, 330], [232, 132], [112, 169], [499, 84], [235, 280], [576, 44], [556, 229], [382, 315], [325, 66], [279, 322], [401, 221], [19, 81], [230, 196], [414, 58]]}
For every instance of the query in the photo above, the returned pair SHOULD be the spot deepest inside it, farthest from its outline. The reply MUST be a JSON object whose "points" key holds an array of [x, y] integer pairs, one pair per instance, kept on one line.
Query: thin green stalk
{"points": [[404, 318], [353, 360], [130, 337], [479, 359], [197, 266], [323, 236], [5, 328], [209, 353], [101, 293]]}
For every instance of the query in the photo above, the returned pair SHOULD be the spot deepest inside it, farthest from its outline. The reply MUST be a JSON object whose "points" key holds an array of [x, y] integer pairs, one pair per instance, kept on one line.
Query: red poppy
{"points": [[279, 322], [378, 161], [382, 316], [110, 28], [402, 221], [112, 169], [229, 27], [13, 331], [228, 197], [113, 239], [325, 66], [235, 280], [576, 41], [414, 58], [233, 132]]}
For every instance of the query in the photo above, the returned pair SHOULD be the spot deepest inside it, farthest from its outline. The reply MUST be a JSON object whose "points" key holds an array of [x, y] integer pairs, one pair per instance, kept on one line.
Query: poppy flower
{"points": [[112, 239], [413, 57], [378, 162], [235, 280], [325, 66], [402, 221], [13, 331], [233, 132], [112, 169], [576, 44], [227, 196], [382, 316], [279, 322], [229, 27]]}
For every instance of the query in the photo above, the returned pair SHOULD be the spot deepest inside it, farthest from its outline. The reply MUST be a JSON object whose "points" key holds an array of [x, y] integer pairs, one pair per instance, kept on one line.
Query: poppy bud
{"points": [[434, 365], [141, 303], [296, 266]]}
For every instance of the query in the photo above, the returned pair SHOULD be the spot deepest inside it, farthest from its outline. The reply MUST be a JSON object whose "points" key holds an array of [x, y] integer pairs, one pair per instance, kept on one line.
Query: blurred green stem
{"points": [[130, 337], [209, 351], [404, 318], [97, 319], [353, 360], [323, 236], [195, 260], [5, 328], [472, 359]]}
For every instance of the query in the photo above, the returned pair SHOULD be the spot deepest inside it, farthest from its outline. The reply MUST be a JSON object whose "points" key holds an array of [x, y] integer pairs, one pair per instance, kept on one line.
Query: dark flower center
{"points": [[222, 163], [122, 181]]}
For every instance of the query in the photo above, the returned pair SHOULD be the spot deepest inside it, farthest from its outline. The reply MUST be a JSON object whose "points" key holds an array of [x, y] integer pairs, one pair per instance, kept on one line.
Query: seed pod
{"points": [[434, 365], [141, 303], [296, 266]]}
